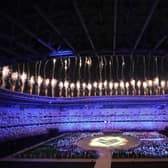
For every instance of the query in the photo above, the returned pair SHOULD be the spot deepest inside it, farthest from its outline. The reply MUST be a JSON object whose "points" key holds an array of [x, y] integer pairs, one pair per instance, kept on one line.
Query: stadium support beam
{"points": [[55, 28], [145, 26], [7, 50], [115, 26], [84, 26], [19, 44], [27, 31], [159, 43]]}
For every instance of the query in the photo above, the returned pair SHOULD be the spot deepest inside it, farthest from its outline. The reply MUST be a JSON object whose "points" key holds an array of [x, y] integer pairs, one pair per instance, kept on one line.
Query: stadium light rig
{"points": [[61, 53]]}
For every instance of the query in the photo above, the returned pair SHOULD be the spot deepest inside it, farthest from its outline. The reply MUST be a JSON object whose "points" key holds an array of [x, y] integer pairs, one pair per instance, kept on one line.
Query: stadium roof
{"points": [[31, 30]]}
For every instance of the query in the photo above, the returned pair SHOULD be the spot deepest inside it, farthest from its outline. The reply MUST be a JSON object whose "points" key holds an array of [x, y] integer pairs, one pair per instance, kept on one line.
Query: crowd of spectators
{"points": [[152, 145], [64, 147]]}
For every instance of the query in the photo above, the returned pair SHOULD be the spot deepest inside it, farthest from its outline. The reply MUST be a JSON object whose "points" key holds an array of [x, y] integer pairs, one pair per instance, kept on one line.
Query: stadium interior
{"points": [[84, 84]]}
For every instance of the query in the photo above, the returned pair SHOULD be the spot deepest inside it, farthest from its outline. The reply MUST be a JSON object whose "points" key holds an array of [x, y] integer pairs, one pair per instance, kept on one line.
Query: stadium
{"points": [[84, 84]]}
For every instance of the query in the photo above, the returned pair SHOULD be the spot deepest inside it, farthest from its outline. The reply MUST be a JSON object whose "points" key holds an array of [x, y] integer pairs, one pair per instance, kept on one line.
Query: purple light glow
{"points": [[22, 115]]}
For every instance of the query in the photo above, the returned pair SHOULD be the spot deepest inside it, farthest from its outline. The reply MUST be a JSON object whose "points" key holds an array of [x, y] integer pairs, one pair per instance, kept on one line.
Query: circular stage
{"points": [[109, 142]]}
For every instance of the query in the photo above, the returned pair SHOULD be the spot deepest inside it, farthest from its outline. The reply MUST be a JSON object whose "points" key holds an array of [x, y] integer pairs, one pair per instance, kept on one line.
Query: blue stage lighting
{"points": [[61, 53]]}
